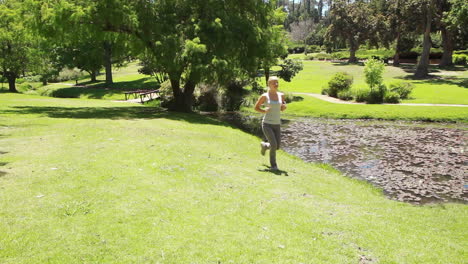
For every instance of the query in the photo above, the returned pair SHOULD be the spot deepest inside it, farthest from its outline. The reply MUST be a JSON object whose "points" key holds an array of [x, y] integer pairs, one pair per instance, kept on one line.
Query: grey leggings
{"points": [[273, 134]]}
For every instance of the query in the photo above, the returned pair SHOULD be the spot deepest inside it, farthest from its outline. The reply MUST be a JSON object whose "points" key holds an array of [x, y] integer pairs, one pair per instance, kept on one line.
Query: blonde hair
{"points": [[273, 78]]}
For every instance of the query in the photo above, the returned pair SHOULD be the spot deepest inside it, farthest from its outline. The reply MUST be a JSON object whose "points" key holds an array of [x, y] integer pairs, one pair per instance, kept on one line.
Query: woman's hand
{"points": [[283, 107]]}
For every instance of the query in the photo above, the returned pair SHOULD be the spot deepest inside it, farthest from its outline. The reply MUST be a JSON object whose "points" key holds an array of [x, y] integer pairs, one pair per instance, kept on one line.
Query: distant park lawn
{"points": [[94, 181], [447, 88], [313, 107]]}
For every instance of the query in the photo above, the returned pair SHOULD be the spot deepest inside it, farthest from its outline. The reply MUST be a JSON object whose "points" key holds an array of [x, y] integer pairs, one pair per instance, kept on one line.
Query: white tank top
{"points": [[273, 115]]}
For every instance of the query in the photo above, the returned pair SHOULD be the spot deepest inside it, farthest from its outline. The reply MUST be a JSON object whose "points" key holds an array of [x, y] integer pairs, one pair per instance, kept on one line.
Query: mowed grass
{"points": [[314, 107], [93, 181], [445, 87]]}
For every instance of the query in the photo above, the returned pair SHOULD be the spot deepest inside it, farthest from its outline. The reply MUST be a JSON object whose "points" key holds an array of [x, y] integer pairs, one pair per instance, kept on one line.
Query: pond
{"points": [[411, 161]]}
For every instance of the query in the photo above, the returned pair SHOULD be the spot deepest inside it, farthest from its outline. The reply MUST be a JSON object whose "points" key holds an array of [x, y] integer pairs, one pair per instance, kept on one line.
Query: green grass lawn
{"points": [[93, 181], [314, 107], [447, 88]]}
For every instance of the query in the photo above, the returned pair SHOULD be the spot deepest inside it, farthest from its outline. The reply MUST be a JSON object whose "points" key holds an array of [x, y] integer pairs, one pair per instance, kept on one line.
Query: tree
{"points": [[423, 63], [275, 43], [15, 42], [192, 41], [45, 60], [301, 30], [453, 21], [353, 23]]}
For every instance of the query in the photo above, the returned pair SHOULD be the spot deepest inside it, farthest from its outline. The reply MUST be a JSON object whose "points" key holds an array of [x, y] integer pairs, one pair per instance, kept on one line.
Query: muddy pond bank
{"points": [[411, 161], [416, 162]]}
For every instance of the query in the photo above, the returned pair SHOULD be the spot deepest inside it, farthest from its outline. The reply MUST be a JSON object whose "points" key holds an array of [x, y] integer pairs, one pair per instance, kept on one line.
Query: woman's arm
{"points": [[259, 103], [283, 103]]}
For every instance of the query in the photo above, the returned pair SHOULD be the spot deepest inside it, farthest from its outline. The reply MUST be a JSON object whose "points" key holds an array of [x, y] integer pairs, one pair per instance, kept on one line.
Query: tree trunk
{"points": [[320, 9], [93, 75], [423, 64], [308, 7], [44, 82], [267, 74], [12, 83], [396, 57], [108, 61], [353, 47], [447, 42], [182, 100]]}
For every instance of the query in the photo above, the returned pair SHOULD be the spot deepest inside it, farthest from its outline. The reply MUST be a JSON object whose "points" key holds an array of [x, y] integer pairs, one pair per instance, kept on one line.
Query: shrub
{"points": [[345, 95], [231, 96], [207, 98], [376, 95], [341, 81], [68, 74], [403, 89], [325, 90], [165, 93], [361, 95], [323, 56], [310, 57], [373, 71], [289, 69], [312, 49], [459, 59], [257, 88], [288, 97], [391, 97]]}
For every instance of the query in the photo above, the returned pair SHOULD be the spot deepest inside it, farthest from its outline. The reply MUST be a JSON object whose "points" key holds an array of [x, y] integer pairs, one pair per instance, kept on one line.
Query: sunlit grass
{"points": [[95, 181]]}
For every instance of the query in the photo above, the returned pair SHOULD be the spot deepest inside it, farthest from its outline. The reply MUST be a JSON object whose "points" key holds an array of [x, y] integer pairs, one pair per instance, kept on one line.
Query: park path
{"points": [[339, 101]]}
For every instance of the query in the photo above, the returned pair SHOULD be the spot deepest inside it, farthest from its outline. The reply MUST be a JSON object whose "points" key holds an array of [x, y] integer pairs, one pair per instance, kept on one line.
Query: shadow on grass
{"points": [[111, 113], [2, 173], [145, 83], [438, 80], [345, 63], [274, 171], [98, 90]]}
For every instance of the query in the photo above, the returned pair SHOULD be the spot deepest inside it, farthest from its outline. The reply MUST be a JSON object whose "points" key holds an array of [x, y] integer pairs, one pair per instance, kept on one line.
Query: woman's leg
{"points": [[270, 134]]}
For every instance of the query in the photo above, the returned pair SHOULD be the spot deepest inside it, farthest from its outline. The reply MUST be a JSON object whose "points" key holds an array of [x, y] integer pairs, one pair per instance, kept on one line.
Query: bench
{"points": [[142, 94], [150, 93]]}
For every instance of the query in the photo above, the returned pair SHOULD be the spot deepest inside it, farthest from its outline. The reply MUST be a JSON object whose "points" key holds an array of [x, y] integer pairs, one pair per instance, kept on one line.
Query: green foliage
{"points": [[165, 93], [403, 89], [15, 41], [288, 97], [340, 81], [376, 95], [289, 69], [373, 71], [391, 97], [362, 95], [313, 107], [323, 56], [68, 74], [313, 48], [207, 98], [345, 95], [354, 23], [460, 59], [232, 95]]}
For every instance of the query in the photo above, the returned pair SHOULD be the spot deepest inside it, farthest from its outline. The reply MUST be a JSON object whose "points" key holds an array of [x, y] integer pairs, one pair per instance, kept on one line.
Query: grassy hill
{"points": [[93, 181]]}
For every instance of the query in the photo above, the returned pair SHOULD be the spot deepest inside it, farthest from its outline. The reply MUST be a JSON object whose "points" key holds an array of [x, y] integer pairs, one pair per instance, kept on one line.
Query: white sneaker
{"points": [[264, 147]]}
